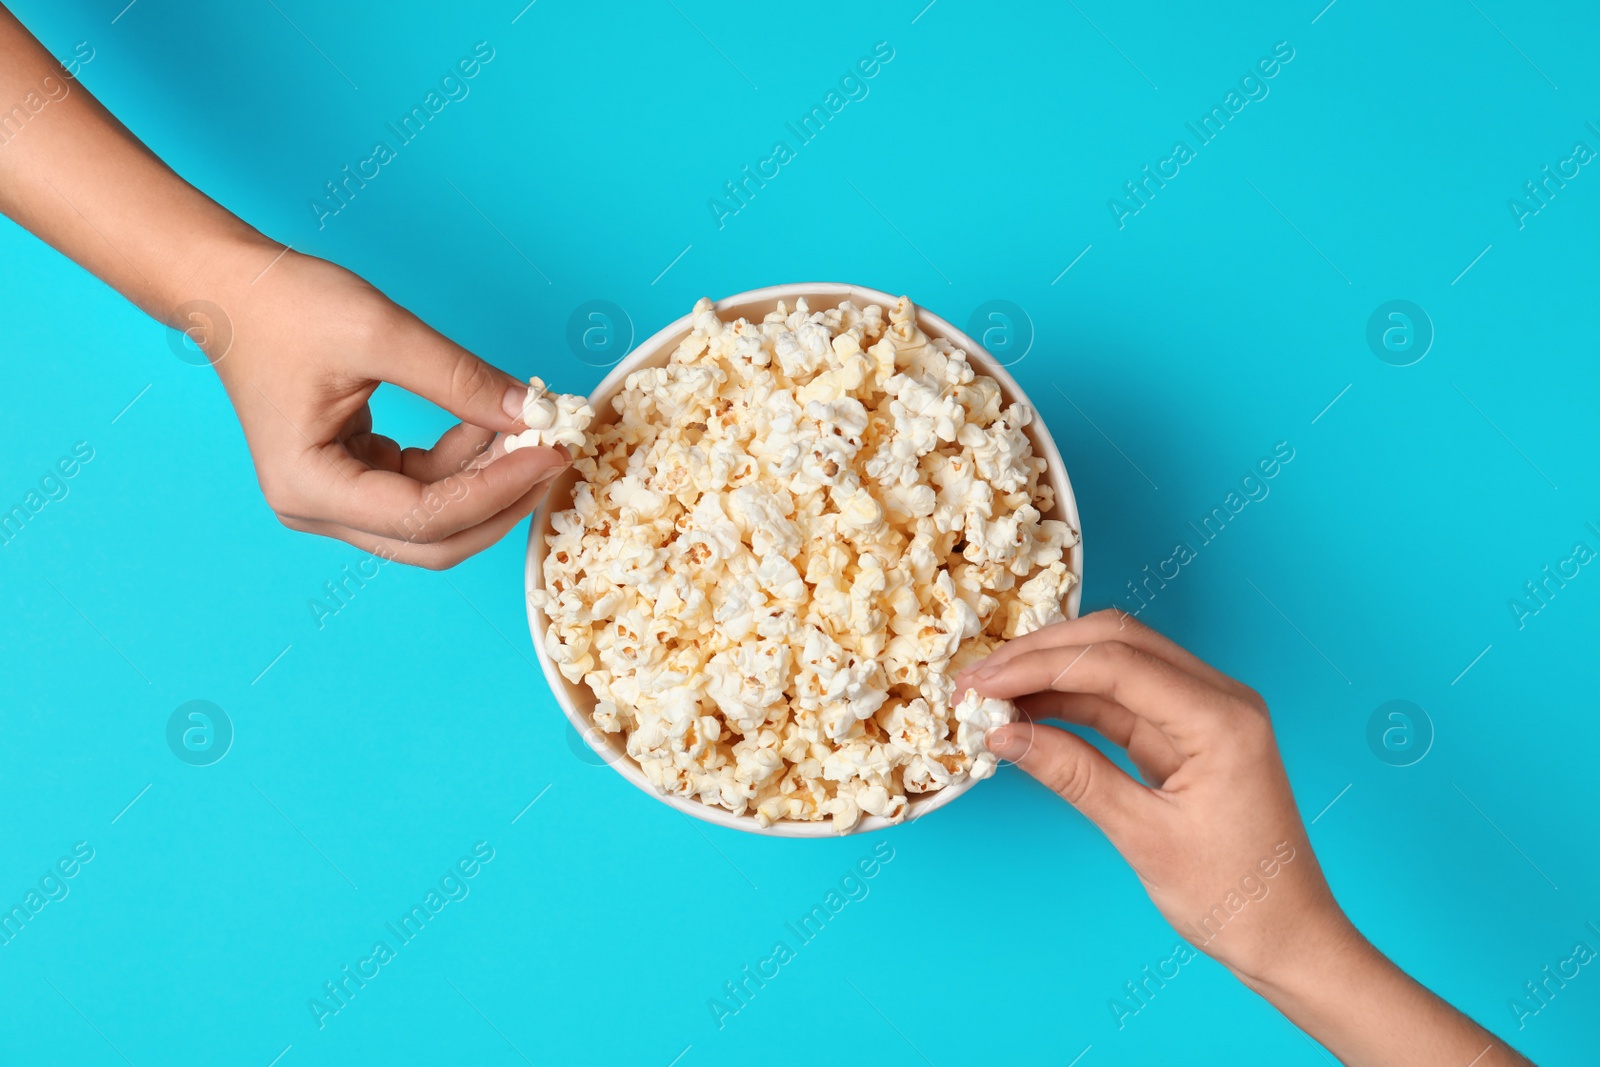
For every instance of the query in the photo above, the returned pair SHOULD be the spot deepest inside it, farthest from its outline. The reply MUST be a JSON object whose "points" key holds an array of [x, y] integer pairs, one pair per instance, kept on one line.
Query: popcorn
{"points": [[783, 548], [976, 716], [551, 418]]}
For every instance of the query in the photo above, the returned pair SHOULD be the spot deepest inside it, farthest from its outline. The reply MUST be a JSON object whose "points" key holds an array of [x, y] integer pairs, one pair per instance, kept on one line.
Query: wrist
{"points": [[206, 292], [218, 267], [1326, 956]]}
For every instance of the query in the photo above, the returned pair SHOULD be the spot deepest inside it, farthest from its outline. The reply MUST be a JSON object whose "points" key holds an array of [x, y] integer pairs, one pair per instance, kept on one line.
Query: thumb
{"points": [[1078, 772], [439, 370]]}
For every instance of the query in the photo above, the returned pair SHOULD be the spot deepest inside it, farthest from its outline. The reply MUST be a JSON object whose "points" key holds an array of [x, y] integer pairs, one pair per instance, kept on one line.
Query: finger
{"points": [[1186, 709], [439, 370], [1150, 750], [451, 454], [375, 450], [1109, 625], [1112, 625], [1077, 771], [439, 555], [360, 420], [389, 504], [458, 547]]}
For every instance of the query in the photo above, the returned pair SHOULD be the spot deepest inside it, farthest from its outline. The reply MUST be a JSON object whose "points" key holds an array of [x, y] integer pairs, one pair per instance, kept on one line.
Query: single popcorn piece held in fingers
{"points": [[784, 547], [552, 419], [978, 715]]}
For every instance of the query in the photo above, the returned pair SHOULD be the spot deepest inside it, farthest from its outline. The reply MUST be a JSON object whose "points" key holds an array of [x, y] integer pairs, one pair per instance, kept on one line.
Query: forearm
{"points": [[80, 181], [1370, 1013]]}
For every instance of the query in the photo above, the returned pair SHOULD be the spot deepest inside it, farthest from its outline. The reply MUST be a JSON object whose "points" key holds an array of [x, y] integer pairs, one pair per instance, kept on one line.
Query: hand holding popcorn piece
{"points": [[299, 344], [1213, 832]]}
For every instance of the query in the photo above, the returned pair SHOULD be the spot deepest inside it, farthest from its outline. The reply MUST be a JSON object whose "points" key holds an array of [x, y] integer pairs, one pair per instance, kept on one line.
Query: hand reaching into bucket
{"points": [[1213, 831]]}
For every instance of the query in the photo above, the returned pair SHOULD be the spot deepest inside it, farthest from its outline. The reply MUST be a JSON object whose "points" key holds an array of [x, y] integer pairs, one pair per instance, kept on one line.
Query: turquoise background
{"points": [[1222, 318]]}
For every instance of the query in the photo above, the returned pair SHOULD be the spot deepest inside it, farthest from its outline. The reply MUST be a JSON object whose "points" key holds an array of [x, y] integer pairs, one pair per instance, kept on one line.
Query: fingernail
{"points": [[511, 404], [983, 669], [1000, 741]]}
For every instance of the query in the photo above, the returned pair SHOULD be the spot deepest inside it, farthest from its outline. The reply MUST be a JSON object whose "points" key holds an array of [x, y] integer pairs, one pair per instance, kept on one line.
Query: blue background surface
{"points": [[1224, 317]]}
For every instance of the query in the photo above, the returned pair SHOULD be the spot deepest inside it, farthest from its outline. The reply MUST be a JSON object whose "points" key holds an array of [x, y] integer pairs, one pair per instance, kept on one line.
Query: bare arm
{"points": [[75, 176]]}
